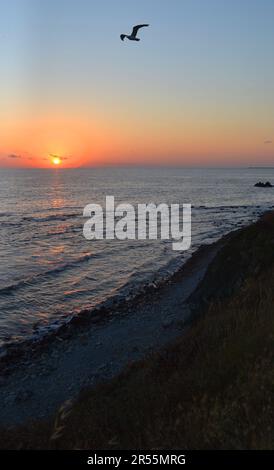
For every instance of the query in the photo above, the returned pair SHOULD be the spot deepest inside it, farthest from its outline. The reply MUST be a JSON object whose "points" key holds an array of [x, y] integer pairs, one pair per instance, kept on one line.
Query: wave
{"points": [[19, 222], [61, 208], [5, 214], [222, 207], [31, 280], [49, 218]]}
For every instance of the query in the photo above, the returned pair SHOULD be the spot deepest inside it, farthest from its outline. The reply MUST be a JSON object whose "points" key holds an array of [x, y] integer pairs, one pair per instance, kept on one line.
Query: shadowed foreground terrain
{"points": [[211, 389]]}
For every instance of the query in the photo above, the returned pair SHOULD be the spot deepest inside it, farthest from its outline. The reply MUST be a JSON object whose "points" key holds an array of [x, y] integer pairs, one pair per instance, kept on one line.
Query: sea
{"points": [[49, 272]]}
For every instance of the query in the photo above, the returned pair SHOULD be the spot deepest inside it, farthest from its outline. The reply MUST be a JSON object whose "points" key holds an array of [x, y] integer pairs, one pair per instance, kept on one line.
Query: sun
{"points": [[56, 160]]}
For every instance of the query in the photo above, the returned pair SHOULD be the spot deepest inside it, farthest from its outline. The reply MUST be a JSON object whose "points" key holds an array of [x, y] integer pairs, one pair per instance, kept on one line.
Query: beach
{"points": [[37, 378]]}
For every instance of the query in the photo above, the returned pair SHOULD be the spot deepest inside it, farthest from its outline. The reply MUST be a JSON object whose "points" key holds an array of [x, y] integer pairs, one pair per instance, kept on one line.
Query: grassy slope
{"points": [[213, 388]]}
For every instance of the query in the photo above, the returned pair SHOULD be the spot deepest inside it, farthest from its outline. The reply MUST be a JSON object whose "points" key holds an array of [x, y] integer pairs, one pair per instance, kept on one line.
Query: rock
{"points": [[264, 185], [167, 323], [23, 396], [193, 306], [95, 376]]}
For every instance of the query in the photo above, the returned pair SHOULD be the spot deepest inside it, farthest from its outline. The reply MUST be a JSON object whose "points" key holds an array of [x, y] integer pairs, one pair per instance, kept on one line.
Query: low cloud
{"points": [[267, 142]]}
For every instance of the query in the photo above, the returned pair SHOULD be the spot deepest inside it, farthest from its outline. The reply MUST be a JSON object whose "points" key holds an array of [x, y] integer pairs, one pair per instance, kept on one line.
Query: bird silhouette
{"points": [[133, 35]]}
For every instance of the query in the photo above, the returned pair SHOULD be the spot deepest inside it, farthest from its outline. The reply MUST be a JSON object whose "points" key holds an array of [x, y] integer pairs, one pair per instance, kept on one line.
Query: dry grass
{"points": [[212, 389]]}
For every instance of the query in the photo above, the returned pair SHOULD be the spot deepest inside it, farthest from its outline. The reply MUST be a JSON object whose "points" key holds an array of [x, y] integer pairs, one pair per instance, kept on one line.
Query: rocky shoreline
{"points": [[16, 353], [36, 377]]}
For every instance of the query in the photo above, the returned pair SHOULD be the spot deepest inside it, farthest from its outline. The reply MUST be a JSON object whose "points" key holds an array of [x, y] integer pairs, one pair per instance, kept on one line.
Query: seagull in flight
{"points": [[132, 36]]}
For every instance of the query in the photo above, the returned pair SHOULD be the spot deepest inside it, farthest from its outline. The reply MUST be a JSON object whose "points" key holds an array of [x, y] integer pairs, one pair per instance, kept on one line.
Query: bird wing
{"points": [[136, 29]]}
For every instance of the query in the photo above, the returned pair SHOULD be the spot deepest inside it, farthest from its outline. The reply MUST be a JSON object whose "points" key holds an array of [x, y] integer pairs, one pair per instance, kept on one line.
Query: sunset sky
{"points": [[198, 89]]}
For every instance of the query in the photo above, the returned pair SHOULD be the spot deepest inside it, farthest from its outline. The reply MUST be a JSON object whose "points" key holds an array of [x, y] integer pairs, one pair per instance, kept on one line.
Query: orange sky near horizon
{"points": [[165, 129], [83, 141]]}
